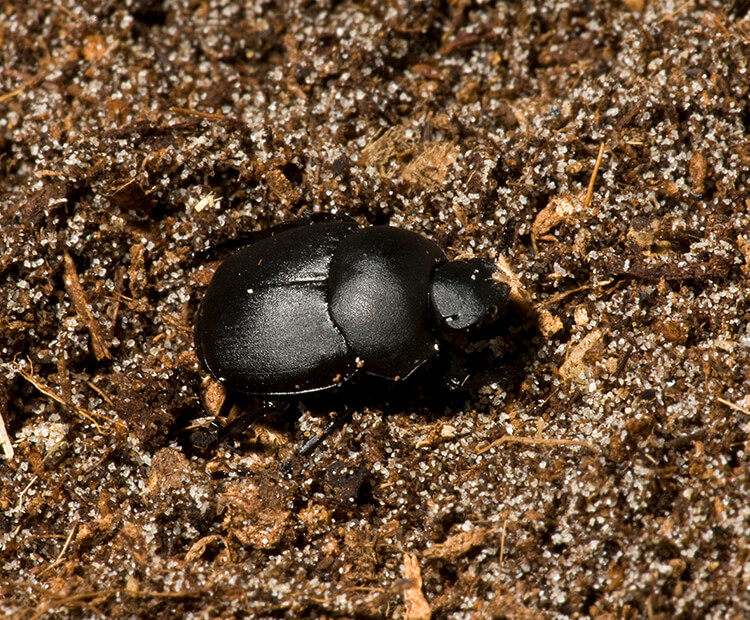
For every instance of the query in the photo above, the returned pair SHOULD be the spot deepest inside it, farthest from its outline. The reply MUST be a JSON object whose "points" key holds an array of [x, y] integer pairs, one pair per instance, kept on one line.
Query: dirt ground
{"points": [[598, 466]]}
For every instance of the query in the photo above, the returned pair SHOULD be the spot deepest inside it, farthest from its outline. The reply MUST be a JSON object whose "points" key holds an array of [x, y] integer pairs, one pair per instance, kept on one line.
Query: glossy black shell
{"points": [[305, 309]]}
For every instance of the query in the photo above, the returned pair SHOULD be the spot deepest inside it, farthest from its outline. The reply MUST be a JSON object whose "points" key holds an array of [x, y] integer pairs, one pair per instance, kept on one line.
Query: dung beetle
{"points": [[315, 303]]}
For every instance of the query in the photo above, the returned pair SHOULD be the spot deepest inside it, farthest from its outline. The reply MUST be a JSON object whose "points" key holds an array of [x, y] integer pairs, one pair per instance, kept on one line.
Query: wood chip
{"points": [[75, 290], [457, 545], [199, 547], [558, 209], [417, 607], [698, 169], [137, 270], [574, 366], [130, 196], [393, 143], [429, 169], [281, 187], [548, 323]]}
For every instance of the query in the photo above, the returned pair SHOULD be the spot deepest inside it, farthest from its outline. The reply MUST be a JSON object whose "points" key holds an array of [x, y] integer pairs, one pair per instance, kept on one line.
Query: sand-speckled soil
{"points": [[598, 464]]}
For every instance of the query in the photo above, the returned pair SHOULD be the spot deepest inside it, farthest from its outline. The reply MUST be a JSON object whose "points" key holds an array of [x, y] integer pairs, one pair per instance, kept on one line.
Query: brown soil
{"points": [[135, 133]]}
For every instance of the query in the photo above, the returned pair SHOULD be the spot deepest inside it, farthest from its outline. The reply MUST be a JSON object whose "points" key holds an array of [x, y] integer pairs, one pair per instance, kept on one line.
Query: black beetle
{"points": [[315, 303]]}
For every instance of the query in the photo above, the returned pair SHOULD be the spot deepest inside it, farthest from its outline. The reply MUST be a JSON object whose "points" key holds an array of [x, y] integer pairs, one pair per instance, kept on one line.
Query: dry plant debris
{"points": [[416, 606]]}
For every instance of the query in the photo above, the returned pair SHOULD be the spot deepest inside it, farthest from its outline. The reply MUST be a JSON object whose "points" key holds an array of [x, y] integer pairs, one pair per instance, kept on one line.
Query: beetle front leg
{"points": [[307, 448], [313, 442]]}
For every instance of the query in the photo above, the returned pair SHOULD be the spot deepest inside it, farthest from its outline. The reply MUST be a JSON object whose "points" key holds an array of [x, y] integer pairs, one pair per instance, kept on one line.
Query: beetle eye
{"points": [[465, 295]]}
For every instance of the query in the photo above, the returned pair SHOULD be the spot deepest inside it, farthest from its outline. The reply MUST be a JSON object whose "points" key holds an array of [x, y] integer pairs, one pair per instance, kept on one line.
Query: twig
{"points": [[28, 83], [590, 190], [538, 441], [175, 323], [674, 13], [101, 392], [732, 405], [25, 490], [67, 541], [5, 441], [502, 543], [199, 114], [60, 555], [45, 389]]}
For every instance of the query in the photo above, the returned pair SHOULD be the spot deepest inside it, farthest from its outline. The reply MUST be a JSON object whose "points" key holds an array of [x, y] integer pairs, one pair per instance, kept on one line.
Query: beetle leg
{"points": [[307, 448], [216, 434], [204, 438], [311, 444], [221, 249], [247, 418], [454, 370]]}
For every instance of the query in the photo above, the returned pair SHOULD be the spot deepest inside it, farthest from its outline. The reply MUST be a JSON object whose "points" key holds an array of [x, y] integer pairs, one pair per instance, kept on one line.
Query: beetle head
{"points": [[464, 294]]}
